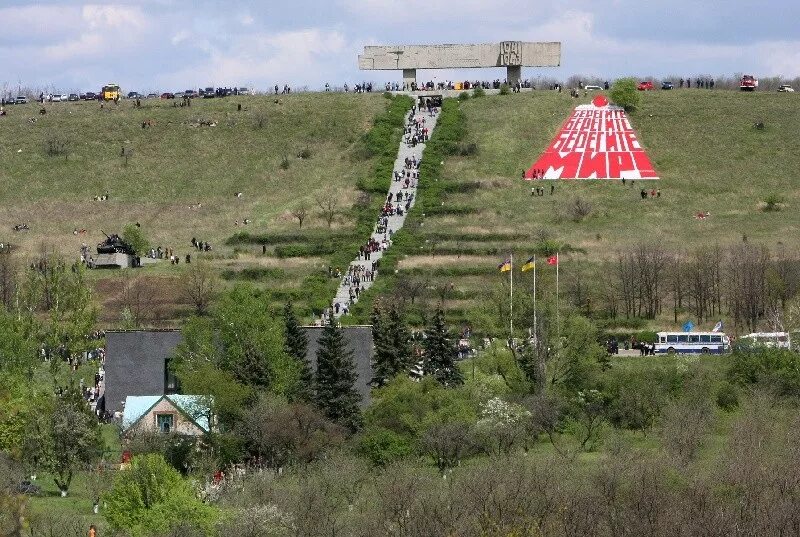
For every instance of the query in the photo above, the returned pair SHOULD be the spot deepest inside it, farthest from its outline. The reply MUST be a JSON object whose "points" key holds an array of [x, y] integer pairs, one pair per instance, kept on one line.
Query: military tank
{"points": [[114, 245]]}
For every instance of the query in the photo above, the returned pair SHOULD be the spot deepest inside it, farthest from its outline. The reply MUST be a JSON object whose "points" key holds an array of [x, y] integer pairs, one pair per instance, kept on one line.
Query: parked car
{"points": [[592, 88], [208, 93], [21, 99], [645, 86], [785, 88], [55, 98], [90, 96], [73, 97], [167, 95], [135, 95], [667, 85], [190, 93], [244, 91], [152, 95]]}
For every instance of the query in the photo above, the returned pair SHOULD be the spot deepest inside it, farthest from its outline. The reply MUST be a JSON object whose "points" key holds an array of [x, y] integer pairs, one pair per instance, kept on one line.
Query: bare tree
{"points": [[136, 298], [328, 206], [300, 212], [199, 283]]}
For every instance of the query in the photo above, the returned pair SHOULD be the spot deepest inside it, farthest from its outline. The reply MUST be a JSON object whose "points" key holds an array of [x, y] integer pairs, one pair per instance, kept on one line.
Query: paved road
{"points": [[395, 222]]}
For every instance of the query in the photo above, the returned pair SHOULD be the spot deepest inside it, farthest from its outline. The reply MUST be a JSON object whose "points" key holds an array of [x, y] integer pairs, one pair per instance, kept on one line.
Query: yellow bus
{"points": [[110, 92]]}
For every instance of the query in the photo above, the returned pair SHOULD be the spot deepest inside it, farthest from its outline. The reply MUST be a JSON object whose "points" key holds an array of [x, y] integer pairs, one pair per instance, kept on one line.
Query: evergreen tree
{"points": [[440, 353], [401, 341], [336, 394], [296, 346], [392, 343]]}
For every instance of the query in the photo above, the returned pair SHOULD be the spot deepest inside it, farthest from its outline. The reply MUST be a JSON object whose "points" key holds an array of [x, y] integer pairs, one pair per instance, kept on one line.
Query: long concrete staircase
{"points": [[395, 222]]}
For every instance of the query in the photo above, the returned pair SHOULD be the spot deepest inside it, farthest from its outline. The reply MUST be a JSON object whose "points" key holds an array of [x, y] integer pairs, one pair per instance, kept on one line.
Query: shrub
{"points": [[56, 146], [773, 202], [578, 209], [151, 496], [478, 92], [624, 93], [382, 446], [467, 149], [304, 153], [463, 96], [727, 397], [777, 369], [285, 163], [505, 89]]}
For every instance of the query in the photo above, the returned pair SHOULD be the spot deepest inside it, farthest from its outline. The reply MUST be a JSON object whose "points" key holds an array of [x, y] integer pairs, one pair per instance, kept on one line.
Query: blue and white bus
{"points": [[692, 343]]}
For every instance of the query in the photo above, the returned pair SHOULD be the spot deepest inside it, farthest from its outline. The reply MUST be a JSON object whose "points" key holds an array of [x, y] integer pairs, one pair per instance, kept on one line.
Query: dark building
{"points": [[137, 361], [136, 364]]}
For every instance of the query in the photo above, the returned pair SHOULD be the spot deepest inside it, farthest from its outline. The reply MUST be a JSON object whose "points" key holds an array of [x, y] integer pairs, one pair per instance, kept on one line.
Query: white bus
{"points": [[771, 340], [692, 343]]}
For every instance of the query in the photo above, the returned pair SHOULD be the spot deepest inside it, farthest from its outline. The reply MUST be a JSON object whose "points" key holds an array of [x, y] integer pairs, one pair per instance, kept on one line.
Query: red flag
{"points": [[552, 260]]}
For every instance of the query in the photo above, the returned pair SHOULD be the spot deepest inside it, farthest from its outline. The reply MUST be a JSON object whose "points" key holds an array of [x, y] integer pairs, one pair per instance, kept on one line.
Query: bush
{"points": [[505, 89], [285, 163], [382, 446], [624, 93], [467, 149], [578, 209], [774, 202], [463, 96], [728, 397], [304, 153], [151, 496], [478, 92], [777, 369], [56, 146]]}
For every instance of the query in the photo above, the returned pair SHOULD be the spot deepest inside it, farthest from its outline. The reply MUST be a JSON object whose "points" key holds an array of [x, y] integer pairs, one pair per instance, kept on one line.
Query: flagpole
{"points": [[511, 309], [534, 297], [558, 313]]}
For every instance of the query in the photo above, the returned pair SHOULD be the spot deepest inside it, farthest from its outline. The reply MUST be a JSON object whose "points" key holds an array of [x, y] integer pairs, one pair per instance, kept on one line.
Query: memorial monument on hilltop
{"points": [[513, 55]]}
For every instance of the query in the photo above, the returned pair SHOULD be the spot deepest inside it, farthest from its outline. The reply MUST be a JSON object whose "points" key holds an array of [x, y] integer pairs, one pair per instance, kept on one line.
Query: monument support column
{"points": [[409, 76], [513, 74]]}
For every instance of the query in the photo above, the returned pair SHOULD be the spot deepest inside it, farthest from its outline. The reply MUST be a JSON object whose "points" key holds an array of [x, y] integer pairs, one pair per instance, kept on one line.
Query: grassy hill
{"points": [[703, 145], [181, 178]]}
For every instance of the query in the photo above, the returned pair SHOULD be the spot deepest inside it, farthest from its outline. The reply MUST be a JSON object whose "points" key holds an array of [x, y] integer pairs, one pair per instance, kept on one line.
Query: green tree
{"points": [[296, 347], [244, 339], [383, 369], [64, 438], [336, 394], [134, 236], [575, 363], [56, 307], [624, 93], [440, 353], [151, 497]]}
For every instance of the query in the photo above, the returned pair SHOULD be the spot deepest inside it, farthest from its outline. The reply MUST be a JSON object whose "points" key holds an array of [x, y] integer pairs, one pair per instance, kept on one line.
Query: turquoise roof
{"points": [[194, 406]]}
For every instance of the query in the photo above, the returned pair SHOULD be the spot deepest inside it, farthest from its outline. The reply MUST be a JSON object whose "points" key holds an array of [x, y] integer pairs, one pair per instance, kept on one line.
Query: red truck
{"points": [[748, 83]]}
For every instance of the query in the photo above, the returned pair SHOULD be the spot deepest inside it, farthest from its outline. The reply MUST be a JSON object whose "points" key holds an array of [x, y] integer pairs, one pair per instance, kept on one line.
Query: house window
{"points": [[165, 422]]}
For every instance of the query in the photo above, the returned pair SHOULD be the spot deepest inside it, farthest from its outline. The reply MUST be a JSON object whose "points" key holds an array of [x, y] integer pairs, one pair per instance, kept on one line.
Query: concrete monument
{"points": [[512, 55]]}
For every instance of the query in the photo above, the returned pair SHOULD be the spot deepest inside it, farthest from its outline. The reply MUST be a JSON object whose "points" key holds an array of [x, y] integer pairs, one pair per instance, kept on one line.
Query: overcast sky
{"points": [[173, 45]]}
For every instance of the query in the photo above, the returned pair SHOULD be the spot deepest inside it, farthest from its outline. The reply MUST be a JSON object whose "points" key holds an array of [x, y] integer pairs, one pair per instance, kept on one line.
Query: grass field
{"points": [[175, 165], [181, 178], [703, 145]]}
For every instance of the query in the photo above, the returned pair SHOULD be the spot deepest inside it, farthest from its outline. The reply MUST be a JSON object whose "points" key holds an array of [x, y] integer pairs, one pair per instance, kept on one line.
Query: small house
{"points": [[187, 415]]}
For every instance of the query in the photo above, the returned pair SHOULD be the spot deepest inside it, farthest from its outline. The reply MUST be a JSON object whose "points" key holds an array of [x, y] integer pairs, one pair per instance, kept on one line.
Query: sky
{"points": [[171, 45]]}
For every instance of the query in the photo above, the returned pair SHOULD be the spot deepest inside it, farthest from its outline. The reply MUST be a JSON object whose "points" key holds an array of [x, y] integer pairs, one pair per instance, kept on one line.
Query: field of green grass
{"points": [[176, 165], [181, 180], [702, 143]]}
